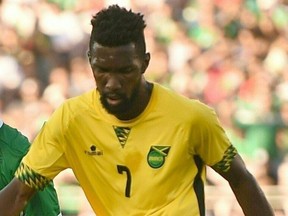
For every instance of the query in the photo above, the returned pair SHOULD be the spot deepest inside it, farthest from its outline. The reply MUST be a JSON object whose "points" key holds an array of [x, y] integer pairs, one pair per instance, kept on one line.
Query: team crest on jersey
{"points": [[156, 156]]}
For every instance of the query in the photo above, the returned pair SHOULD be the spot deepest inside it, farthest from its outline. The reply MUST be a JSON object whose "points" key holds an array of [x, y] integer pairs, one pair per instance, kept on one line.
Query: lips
{"points": [[113, 99]]}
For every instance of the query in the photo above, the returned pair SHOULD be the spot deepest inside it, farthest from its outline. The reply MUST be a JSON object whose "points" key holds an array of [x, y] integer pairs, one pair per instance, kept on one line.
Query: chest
{"points": [[130, 154]]}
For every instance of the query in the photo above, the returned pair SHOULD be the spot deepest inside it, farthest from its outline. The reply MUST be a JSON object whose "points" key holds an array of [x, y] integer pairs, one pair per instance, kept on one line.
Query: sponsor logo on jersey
{"points": [[94, 151], [122, 134], [156, 156]]}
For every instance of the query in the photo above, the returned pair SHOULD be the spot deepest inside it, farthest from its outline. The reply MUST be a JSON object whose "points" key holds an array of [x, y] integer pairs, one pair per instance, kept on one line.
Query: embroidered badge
{"points": [[156, 156]]}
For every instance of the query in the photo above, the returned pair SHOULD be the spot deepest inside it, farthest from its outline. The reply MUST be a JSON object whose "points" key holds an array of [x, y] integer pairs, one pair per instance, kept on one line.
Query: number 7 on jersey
{"points": [[121, 169]]}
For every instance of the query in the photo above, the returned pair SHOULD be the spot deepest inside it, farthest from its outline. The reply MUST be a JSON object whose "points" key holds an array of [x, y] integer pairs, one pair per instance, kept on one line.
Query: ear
{"points": [[146, 62], [89, 55]]}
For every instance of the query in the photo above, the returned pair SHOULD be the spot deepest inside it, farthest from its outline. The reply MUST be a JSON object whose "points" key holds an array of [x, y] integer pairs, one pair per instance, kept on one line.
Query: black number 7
{"points": [[122, 169]]}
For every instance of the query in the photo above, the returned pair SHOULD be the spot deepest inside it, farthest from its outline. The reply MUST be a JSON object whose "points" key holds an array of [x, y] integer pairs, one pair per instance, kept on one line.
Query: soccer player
{"points": [[135, 147], [13, 146]]}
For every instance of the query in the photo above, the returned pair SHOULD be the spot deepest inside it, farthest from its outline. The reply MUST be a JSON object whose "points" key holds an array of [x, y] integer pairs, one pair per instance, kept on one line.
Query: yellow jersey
{"points": [[151, 165]]}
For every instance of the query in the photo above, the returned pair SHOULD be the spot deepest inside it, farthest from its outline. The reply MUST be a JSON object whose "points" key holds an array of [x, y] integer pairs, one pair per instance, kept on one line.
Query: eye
{"points": [[97, 69], [127, 70]]}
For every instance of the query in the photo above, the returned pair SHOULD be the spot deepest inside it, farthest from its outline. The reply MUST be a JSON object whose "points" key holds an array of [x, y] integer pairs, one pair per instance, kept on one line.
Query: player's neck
{"points": [[139, 104]]}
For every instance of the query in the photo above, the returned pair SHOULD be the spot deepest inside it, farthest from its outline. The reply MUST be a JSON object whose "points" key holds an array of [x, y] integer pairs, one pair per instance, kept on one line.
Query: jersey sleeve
{"points": [[44, 203], [213, 145], [46, 157], [13, 146]]}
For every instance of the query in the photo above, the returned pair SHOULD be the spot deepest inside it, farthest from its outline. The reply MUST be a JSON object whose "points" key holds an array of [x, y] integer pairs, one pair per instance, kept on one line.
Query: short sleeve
{"points": [[46, 156], [213, 145]]}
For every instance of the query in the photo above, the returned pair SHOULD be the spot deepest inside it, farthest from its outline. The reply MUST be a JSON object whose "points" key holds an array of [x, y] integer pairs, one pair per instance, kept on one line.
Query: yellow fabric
{"points": [[145, 166]]}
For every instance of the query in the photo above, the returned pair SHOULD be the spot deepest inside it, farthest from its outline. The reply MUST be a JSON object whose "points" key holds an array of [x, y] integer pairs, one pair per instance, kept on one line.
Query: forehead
{"points": [[123, 54]]}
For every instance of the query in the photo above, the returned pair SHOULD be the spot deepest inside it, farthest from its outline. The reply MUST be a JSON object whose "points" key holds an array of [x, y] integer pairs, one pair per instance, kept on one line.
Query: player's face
{"points": [[118, 72]]}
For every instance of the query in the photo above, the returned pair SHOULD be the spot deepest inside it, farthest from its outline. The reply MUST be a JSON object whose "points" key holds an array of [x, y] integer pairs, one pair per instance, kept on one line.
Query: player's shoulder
{"points": [[181, 100], [81, 102], [81, 105], [182, 105]]}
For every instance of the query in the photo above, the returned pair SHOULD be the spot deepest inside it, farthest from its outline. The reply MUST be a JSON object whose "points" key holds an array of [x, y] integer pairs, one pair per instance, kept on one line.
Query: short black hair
{"points": [[116, 26]]}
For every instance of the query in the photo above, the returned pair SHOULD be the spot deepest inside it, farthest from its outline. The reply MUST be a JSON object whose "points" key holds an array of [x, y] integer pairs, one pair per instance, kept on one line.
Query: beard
{"points": [[124, 106]]}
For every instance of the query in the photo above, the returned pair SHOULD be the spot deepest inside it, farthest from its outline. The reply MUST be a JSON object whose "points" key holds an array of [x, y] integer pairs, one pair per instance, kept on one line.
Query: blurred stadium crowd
{"points": [[230, 54]]}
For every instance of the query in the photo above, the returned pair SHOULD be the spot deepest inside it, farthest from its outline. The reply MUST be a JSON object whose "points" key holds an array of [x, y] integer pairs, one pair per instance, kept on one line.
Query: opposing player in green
{"points": [[135, 147], [13, 146]]}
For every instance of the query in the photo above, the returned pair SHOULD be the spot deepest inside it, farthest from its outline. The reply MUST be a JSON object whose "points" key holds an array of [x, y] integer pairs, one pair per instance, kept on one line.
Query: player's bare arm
{"points": [[247, 191], [15, 196]]}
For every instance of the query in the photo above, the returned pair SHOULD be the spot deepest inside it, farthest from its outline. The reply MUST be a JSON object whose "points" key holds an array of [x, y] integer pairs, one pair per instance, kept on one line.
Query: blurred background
{"points": [[230, 54]]}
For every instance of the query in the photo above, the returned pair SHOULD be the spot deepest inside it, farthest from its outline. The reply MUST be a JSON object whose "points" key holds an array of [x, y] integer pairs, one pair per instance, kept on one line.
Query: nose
{"points": [[113, 82]]}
